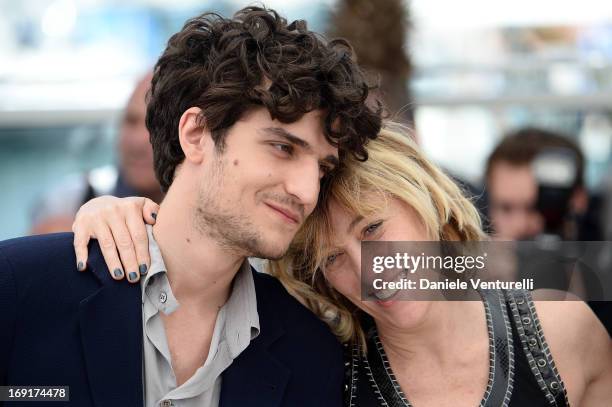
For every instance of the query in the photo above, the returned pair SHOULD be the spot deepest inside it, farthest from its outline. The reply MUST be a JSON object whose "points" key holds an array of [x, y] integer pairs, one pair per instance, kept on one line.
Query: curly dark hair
{"points": [[227, 66]]}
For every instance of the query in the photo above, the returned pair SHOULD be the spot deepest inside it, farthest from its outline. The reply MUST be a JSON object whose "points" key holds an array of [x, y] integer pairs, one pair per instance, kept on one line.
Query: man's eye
{"points": [[325, 169], [371, 228], [285, 148]]}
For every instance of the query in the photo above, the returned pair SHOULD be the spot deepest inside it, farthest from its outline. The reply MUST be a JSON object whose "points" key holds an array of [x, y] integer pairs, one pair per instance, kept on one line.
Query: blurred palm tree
{"points": [[377, 30]]}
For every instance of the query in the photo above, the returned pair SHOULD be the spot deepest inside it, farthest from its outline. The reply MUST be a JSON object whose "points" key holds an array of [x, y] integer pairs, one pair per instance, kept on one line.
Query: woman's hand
{"points": [[118, 225]]}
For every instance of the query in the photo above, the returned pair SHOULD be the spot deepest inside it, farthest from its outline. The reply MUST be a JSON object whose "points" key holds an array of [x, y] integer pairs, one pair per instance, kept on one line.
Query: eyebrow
{"points": [[354, 223], [331, 160], [293, 139]]}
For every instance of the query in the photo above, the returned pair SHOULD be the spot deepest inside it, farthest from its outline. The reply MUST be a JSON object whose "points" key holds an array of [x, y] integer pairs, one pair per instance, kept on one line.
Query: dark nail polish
{"points": [[132, 276], [81, 266], [118, 273], [143, 269], [154, 215]]}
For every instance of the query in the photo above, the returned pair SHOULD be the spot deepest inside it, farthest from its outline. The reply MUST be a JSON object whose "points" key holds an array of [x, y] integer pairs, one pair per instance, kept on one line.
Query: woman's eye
{"points": [[371, 228], [331, 260]]}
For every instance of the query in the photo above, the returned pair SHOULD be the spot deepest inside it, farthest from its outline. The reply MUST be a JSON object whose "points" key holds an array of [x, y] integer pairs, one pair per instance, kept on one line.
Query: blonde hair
{"points": [[396, 168]]}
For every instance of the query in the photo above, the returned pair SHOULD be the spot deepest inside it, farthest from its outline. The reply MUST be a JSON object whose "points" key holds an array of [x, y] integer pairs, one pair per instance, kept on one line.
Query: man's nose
{"points": [[302, 182]]}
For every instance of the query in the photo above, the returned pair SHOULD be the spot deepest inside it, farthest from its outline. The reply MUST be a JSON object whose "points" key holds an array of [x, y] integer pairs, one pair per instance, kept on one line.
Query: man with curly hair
{"points": [[248, 116]]}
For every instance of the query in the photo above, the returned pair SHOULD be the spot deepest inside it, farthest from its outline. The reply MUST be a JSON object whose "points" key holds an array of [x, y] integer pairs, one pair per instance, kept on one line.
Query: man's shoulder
{"points": [[41, 258], [39, 248]]}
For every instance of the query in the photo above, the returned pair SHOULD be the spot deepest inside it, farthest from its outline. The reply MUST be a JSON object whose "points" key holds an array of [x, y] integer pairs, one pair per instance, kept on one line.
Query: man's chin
{"points": [[272, 252]]}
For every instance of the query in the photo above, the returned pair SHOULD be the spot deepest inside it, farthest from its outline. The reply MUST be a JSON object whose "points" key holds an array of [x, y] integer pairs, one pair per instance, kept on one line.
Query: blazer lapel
{"points": [[111, 334], [256, 377]]}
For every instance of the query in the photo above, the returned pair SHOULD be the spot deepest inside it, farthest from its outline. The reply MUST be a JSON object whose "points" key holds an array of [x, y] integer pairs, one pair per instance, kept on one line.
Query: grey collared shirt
{"points": [[236, 325]]}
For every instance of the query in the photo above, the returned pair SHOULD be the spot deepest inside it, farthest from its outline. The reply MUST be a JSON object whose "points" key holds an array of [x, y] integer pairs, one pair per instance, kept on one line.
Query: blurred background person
{"points": [[519, 205], [133, 175], [534, 189]]}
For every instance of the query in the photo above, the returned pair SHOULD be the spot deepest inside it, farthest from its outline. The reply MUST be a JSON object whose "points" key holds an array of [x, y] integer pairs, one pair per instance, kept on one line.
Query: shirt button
{"points": [[162, 298], [166, 403]]}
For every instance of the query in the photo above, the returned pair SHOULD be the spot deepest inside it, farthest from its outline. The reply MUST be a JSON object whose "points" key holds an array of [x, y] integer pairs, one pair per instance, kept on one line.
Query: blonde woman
{"points": [[506, 350]]}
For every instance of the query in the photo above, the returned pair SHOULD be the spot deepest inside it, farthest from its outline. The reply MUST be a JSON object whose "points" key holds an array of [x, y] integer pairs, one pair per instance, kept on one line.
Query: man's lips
{"points": [[290, 215]]}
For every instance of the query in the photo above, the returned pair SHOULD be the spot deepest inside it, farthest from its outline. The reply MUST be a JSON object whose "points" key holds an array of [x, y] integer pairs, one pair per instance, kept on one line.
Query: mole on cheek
{"points": [[235, 162], [188, 240], [269, 175]]}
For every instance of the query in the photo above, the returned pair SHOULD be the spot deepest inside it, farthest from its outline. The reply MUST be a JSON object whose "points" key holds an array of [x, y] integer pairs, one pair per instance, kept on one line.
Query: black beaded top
{"points": [[522, 371]]}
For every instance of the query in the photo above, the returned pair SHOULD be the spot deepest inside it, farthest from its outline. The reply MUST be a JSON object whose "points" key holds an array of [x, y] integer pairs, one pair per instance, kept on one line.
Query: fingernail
{"points": [[143, 269], [81, 266], [132, 276], [154, 215], [118, 273]]}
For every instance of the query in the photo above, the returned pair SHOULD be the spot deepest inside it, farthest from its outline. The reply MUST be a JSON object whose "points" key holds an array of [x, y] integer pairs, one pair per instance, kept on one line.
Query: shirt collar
{"points": [[242, 319], [242, 323], [157, 262]]}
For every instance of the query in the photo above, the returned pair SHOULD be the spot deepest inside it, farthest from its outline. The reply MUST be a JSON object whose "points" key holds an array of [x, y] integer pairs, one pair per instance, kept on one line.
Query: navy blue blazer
{"points": [[61, 327]]}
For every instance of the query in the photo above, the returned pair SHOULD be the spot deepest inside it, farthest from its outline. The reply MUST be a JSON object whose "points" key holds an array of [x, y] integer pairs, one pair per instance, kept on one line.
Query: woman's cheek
{"points": [[339, 283], [352, 287]]}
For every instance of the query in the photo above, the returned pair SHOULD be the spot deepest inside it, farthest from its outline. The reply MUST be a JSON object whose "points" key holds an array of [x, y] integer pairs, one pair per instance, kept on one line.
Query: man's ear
{"points": [[194, 137]]}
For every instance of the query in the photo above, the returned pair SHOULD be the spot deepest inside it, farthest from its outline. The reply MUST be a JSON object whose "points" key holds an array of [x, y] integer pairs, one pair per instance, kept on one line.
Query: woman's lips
{"points": [[385, 295], [386, 303]]}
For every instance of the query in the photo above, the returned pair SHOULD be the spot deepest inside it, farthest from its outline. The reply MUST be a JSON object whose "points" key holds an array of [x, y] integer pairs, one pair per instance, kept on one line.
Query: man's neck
{"points": [[199, 270]]}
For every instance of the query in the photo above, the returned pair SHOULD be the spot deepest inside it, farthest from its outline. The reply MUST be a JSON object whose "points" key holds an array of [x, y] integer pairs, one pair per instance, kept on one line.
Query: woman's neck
{"points": [[449, 329], [449, 350]]}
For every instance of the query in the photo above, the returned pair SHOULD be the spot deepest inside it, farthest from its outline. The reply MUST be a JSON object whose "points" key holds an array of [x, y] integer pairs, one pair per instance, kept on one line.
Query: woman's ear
{"points": [[193, 135]]}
